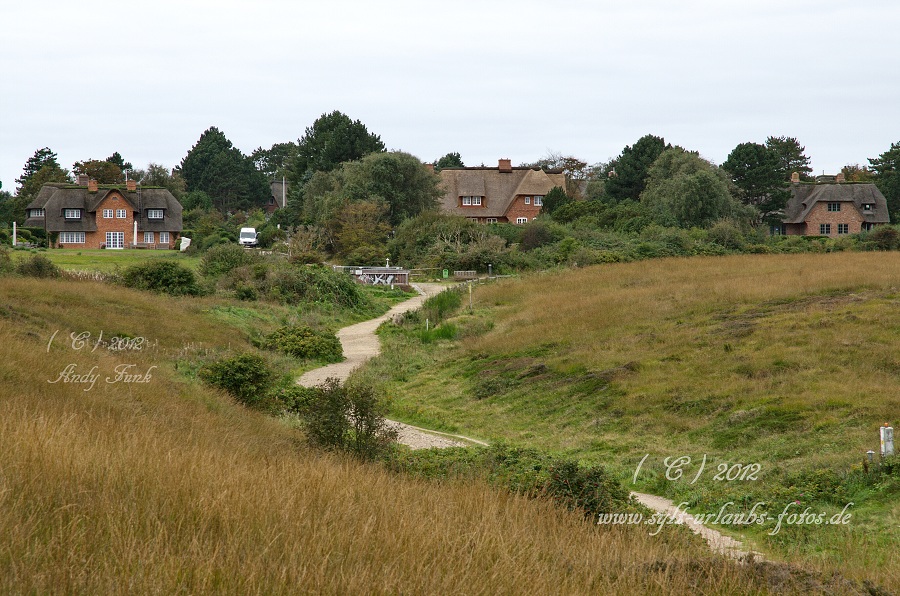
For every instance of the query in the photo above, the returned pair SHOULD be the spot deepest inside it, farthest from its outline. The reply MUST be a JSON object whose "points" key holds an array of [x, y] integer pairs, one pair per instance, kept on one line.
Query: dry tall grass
{"points": [[166, 487]]}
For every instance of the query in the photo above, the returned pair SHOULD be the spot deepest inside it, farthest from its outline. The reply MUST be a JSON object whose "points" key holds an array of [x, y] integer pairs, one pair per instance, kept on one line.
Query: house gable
{"points": [[834, 209]]}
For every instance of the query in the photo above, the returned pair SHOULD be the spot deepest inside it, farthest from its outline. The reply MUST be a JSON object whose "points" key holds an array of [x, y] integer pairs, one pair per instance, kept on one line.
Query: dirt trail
{"points": [[361, 344]]}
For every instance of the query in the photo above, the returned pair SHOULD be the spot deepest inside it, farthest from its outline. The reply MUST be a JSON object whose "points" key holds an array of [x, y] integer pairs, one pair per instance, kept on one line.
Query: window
{"points": [[115, 240], [834, 206], [154, 213], [474, 201], [491, 220], [867, 207], [148, 237], [37, 213], [121, 214], [843, 228], [539, 200], [107, 214], [71, 237], [867, 226], [528, 200], [163, 237], [824, 229], [521, 220], [72, 213]]}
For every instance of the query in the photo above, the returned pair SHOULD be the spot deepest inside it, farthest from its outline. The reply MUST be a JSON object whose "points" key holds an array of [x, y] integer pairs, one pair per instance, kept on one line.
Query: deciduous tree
{"points": [[103, 172]]}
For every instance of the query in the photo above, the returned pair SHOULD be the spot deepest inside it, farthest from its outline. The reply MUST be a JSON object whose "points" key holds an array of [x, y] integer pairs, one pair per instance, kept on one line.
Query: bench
{"points": [[141, 245]]}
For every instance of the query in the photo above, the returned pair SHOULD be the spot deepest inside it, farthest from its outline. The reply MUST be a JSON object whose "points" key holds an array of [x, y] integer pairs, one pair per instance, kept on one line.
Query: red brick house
{"points": [[91, 216], [497, 195], [832, 207]]}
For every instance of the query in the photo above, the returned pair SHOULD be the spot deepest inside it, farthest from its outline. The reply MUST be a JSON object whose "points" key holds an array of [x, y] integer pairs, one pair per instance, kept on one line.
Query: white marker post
{"points": [[14, 233], [887, 440]]}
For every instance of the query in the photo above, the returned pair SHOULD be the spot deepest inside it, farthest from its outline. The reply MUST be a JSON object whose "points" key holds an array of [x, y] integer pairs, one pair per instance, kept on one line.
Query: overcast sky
{"points": [[487, 79]]}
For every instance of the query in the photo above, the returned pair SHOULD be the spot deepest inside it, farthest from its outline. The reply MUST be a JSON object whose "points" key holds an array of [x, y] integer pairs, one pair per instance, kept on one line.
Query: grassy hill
{"points": [[154, 483], [782, 365]]}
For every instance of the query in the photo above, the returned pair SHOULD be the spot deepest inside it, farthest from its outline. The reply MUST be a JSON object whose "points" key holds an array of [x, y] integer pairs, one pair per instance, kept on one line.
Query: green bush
{"points": [[526, 471], [883, 238], [246, 377], [38, 266], [347, 418], [304, 342], [161, 275], [309, 283], [727, 234], [223, 258]]}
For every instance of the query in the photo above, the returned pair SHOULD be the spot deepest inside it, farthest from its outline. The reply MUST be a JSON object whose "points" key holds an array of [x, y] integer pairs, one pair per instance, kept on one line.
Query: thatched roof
{"points": [[805, 196], [499, 189]]}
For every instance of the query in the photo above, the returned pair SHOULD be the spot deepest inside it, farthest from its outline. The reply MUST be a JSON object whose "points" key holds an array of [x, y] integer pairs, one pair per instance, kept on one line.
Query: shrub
{"points": [[304, 342], [727, 235], [246, 377], [162, 275], [884, 238], [38, 266], [223, 258], [348, 418], [313, 284]]}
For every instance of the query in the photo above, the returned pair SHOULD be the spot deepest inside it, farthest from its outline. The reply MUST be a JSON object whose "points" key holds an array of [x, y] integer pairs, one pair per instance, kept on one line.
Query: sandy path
{"points": [[718, 542], [360, 344]]}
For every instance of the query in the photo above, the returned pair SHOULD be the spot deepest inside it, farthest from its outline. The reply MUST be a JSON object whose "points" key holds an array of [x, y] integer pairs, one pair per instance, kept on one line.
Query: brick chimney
{"points": [[429, 167], [82, 179], [839, 178], [795, 178], [131, 185], [92, 185], [505, 166]]}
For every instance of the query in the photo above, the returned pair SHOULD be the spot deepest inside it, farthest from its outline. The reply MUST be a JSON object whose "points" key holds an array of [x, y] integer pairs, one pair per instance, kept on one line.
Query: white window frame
{"points": [[115, 240], [71, 237], [72, 213], [528, 200], [107, 214], [37, 213], [148, 238], [539, 200], [121, 214], [154, 214], [490, 220], [163, 237], [467, 201], [521, 220]]}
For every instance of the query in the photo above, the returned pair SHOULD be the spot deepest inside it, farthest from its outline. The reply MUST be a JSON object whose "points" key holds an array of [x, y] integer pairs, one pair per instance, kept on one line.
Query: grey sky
{"points": [[486, 79]]}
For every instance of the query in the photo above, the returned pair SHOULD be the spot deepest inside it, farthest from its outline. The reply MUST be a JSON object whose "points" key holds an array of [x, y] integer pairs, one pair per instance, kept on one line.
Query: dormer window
{"points": [[37, 213], [471, 201], [154, 213], [72, 213], [868, 206]]}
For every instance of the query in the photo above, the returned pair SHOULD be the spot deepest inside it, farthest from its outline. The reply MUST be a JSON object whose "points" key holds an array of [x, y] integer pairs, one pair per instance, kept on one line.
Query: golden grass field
{"points": [[168, 487], [787, 361]]}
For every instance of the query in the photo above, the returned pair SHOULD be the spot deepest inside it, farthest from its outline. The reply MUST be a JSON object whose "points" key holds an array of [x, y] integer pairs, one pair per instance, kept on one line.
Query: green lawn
{"points": [[104, 260]]}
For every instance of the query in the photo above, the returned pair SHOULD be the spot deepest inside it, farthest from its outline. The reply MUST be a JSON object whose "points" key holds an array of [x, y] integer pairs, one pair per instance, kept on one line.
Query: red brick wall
{"points": [[115, 201], [820, 214], [518, 208]]}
